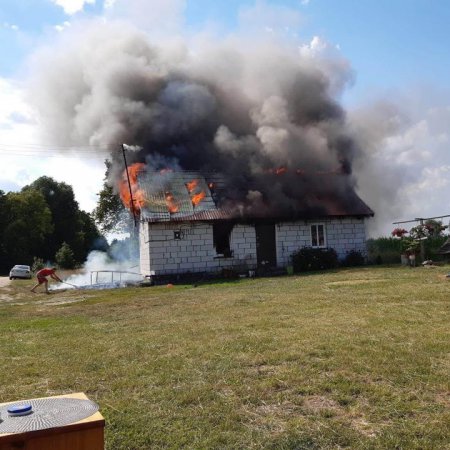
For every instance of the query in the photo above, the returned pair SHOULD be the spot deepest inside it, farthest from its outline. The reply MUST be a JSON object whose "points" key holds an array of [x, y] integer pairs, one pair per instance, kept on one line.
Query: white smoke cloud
{"points": [[18, 126], [314, 48], [403, 172], [109, 84], [132, 148], [72, 6], [100, 270], [157, 17], [27, 156], [9, 26], [337, 68], [97, 70], [263, 16], [62, 26]]}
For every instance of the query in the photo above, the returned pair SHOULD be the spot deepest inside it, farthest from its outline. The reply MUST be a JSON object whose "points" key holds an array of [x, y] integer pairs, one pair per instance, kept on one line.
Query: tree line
{"points": [[44, 222]]}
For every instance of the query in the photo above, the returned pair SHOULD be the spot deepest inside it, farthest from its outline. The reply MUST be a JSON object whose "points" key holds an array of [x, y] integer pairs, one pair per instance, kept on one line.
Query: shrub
{"points": [[388, 250], [309, 259], [353, 258], [65, 257], [432, 246], [384, 250], [38, 264]]}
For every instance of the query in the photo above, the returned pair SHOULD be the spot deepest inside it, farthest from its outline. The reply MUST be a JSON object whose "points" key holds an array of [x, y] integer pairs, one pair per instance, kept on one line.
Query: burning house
{"points": [[190, 223], [241, 153]]}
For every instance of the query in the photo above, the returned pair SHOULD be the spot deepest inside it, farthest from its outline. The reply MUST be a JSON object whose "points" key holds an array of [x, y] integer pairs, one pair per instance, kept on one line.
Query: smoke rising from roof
{"points": [[244, 109]]}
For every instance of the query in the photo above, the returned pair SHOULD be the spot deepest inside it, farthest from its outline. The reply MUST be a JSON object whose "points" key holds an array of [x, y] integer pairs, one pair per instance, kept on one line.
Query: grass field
{"points": [[356, 358]]}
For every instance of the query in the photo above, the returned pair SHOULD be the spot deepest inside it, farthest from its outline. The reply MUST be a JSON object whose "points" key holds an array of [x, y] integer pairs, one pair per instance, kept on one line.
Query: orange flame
{"points": [[197, 198], [137, 194], [277, 171], [191, 185], [172, 205]]}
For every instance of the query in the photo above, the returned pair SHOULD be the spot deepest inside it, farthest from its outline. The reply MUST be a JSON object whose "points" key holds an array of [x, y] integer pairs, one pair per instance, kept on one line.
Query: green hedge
{"points": [[388, 250], [312, 259]]}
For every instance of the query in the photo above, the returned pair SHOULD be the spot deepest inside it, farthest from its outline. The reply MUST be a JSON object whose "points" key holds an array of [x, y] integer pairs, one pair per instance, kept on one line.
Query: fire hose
{"points": [[70, 284]]}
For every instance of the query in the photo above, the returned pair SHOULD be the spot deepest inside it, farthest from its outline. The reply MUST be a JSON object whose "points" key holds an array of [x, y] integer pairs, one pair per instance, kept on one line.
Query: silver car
{"points": [[20, 271]]}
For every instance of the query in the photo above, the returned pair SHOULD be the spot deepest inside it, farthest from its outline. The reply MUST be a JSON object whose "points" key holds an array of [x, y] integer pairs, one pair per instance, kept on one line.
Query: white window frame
{"points": [[318, 224]]}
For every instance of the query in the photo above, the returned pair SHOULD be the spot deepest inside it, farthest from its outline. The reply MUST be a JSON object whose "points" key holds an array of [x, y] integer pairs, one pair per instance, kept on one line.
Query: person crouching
{"points": [[42, 275]]}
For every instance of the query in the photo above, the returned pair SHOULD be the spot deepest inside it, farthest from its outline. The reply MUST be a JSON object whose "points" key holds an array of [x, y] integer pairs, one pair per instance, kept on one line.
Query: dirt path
{"points": [[4, 281]]}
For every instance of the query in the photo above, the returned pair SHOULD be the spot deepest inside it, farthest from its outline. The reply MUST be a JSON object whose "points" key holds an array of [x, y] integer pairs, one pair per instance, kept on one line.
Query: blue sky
{"points": [[390, 43], [397, 49]]}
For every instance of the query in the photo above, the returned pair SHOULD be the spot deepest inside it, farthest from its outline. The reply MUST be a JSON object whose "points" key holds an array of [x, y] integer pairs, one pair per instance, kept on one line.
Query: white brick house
{"points": [[203, 238]]}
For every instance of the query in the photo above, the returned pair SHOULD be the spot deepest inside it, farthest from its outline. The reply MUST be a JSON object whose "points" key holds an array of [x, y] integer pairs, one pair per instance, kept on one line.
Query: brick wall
{"points": [[161, 253], [144, 254], [347, 234], [341, 234]]}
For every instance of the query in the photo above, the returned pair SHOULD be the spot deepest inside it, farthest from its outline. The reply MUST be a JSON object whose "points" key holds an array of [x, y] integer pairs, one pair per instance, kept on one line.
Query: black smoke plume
{"points": [[259, 113]]}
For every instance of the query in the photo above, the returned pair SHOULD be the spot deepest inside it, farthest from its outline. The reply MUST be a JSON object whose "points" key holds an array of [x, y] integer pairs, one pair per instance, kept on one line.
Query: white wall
{"points": [[144, 254], [341, 234], [160, 253], [345, 235]]}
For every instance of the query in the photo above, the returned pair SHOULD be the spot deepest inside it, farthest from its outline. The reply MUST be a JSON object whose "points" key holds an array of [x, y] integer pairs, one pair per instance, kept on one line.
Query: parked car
{"points": [[20, 271]]}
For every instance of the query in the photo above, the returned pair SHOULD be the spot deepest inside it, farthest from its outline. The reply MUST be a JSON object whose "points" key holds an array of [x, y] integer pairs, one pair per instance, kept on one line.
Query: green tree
{"points": [[38, 264], [35, 222], [110, 213], [435, 228], [64, 209], [87, 238], [28, 226], [64, 257], [73, 226], [4, 263]]}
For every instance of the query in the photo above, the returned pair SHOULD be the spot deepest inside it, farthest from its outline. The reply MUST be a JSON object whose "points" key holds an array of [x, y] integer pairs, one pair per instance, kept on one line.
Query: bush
{"points": [[353, 258], [388, 250], [384, 250], [65, 257], [38, 264], [432, 246], [309, 259]]}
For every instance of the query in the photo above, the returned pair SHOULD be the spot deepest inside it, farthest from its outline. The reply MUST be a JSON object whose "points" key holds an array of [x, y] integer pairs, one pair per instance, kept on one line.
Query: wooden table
{"points": [[86, 434]]}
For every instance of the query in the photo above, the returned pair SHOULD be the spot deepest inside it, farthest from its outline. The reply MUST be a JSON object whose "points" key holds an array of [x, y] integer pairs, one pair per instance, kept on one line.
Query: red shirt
{"points": [[45, 272]]}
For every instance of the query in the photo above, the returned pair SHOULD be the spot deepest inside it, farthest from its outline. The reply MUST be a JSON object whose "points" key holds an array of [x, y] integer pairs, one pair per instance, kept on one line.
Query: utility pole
{"points": [[129, 185], [422, 245]]}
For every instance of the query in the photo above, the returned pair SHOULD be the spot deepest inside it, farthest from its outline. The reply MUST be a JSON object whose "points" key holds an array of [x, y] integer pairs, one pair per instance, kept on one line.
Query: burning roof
{"points": [[263, 116], [167, 195], [174, 195]]}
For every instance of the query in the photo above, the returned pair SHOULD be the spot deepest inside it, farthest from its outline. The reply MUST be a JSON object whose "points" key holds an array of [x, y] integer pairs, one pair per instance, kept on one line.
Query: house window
{"points": [[318, 235], [221, 238]]}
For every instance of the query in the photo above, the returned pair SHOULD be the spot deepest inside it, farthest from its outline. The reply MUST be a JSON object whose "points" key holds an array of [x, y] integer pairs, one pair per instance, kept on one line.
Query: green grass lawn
{"points": [[356, 358]]}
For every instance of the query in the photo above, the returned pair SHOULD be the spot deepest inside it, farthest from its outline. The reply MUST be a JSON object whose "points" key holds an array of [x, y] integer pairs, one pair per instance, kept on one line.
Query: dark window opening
{"points": [[317, 235], [221, 238]]}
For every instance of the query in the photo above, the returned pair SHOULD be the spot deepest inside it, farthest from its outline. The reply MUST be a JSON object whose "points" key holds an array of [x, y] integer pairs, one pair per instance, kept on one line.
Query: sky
{"points": [[397, 94]]}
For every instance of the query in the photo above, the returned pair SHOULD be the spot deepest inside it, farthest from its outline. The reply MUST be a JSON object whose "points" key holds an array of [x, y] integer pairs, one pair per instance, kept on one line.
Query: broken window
{"points": [[221, 238], [318, 235]]}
